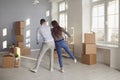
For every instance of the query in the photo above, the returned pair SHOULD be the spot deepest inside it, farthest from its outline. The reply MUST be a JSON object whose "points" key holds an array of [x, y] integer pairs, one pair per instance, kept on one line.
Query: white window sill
{"points": [[106, 46]]}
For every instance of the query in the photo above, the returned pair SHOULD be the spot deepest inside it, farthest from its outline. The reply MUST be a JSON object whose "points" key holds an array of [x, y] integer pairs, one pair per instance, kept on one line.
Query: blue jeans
{"points": [[62, 44]]}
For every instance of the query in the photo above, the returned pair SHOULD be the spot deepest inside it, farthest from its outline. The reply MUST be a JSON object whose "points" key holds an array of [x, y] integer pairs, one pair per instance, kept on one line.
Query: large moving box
{"points": [[89, 59], [20, 44], [19, 24], [19, 31], [19, 27], [25, 51], [8, 61], [89, 48], [19, 38], [89, 38]]}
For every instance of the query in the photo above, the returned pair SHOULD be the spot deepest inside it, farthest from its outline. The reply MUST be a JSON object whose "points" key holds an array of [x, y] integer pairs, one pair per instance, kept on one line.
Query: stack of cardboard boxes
{"points": [[19, 32], [89, 49]]}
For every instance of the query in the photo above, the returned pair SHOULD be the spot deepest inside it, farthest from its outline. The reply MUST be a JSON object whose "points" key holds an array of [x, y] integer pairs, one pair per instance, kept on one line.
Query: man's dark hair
{"points": [[42, 21]]}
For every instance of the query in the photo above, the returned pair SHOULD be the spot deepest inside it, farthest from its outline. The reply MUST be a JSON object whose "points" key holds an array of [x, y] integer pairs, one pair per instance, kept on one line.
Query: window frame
{"points": [[106, 3], [63, 12]]}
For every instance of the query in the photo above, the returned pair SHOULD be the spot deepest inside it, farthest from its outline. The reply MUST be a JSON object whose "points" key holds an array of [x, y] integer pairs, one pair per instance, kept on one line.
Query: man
{"points": [[47, 44]]}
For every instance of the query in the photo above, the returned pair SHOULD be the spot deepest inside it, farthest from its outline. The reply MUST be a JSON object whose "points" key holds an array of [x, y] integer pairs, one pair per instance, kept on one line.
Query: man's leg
{"points": [[52, 56], [40, 56]]}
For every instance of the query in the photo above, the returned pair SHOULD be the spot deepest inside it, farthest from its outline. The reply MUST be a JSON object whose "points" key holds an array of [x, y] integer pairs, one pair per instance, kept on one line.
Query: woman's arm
{"points": [[66, 32]]}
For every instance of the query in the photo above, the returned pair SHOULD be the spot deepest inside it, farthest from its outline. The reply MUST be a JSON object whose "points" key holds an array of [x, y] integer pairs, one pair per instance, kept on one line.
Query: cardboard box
{"points": [[89, 38], [89, 48], [19, 31], [89, 59], [17, 51], [19, 38], [8, 61], [20, 44], [25, 51], [19, 24]]}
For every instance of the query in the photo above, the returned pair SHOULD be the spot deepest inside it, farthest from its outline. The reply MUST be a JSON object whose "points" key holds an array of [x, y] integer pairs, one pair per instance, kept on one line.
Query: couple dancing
{"points": [[52, 37]]}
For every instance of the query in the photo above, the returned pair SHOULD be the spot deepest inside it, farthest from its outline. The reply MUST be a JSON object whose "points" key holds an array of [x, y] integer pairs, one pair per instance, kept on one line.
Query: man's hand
{"points": [[37, 43]]}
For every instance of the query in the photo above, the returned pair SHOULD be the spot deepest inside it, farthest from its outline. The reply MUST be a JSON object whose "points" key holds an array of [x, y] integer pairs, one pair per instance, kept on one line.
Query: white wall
{"points": [[85, 17], [75, 21], [16, 10], [115, 58]]}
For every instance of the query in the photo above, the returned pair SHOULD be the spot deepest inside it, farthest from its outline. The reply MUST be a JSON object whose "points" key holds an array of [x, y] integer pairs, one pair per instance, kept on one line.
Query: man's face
{"points": [[44, 23]]}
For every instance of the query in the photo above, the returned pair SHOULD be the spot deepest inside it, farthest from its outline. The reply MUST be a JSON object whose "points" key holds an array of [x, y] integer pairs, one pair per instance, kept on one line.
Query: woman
{"points": [[60, 43]]}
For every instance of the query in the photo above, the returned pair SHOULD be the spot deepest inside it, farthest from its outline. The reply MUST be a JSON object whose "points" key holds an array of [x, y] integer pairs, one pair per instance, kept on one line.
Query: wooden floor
{"points": [[73, 71]]}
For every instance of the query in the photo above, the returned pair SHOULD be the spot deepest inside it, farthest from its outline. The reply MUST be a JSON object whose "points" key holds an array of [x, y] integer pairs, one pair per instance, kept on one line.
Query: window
{"points": [[62, 6], [105, 18], [4, 44], [28, 38], [98, 21], [113, 26], [4, 32], [28, 32]]}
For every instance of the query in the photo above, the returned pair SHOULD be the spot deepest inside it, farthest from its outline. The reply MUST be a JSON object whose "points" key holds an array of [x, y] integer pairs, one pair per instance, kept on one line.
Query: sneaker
{"points": [[51, 70], [33, 70], [62, 70], [75, 61]]}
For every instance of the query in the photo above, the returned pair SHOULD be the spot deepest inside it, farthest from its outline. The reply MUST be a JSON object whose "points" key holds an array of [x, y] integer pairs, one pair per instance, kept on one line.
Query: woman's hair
{"points": [[42, 21], [57, 30]]}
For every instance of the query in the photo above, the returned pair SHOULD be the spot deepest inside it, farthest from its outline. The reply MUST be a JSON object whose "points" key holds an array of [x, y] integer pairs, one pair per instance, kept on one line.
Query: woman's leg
{"points": [[59, 52], [65, 46]]}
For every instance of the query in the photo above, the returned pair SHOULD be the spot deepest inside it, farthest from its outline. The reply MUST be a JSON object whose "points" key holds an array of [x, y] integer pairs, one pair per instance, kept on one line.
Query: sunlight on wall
{"points": [[4, 32], [28, 22], [4, 44], [28, 43], [28, 38], [27, 33], [47, 13]]}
